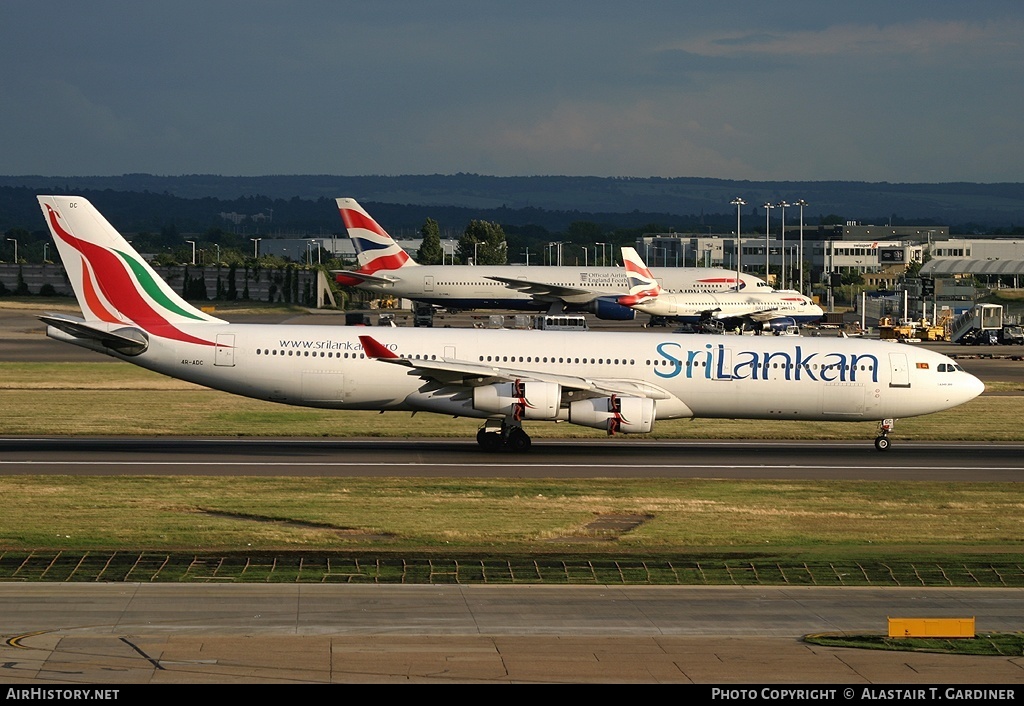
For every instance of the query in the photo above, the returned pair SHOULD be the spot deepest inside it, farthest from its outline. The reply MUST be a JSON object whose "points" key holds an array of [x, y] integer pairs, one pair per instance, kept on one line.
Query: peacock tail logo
{"points": [[111, 284]]}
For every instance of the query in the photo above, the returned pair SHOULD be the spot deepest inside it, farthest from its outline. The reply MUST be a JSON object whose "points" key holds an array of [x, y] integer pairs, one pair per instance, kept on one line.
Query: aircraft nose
{"points": [[972, 387]]}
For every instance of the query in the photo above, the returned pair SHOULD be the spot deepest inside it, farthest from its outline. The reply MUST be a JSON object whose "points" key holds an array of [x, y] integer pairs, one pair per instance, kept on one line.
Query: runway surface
{"points": [[623, 458], [306, 634]]}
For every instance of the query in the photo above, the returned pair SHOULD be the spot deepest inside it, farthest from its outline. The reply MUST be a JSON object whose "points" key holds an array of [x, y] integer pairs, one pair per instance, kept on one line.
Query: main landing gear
{"points": [[499, 435], [885, 426]]}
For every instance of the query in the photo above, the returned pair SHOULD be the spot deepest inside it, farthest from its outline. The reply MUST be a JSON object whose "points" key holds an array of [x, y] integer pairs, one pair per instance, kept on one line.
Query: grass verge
{"points": [[983, 644], [118, 398]]}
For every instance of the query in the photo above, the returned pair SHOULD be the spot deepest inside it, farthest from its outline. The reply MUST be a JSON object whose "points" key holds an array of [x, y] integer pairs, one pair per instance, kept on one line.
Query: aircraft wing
{"points": [[451, 371], [544, 290], [763, 315], [758, 316]]}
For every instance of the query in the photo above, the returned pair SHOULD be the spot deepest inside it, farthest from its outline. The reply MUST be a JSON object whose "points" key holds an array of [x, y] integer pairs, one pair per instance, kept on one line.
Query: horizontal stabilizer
{"points": [[364, 277], [127, 340]]}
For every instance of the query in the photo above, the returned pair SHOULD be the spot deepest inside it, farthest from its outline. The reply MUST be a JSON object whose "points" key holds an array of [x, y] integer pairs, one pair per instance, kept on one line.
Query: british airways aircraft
{"points": [[620, 382], [384, 267], [732, 310]]}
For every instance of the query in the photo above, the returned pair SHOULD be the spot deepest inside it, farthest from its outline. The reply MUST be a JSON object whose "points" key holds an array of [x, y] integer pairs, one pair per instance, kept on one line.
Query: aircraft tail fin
{"points": [[112, 282], [375, 249], [642, 284]]}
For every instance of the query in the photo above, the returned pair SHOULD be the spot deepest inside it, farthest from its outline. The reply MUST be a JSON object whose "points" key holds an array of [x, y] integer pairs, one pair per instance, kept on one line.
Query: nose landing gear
{"points": [[885, 426]]}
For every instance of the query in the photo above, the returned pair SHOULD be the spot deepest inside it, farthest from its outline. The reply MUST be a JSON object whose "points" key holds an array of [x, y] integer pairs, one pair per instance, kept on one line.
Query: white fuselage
{"points": [[688, 375], [724, 305], [472, 287]]}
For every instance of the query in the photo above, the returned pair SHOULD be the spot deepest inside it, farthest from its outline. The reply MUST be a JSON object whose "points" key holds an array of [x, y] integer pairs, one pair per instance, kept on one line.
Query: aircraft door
{"points": [[428, 283], [224, 352], [325, 386], [899, 371]]}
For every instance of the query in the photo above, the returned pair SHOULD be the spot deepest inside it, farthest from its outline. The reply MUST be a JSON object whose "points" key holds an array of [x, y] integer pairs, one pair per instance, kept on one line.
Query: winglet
{"points": [[375, 349]]}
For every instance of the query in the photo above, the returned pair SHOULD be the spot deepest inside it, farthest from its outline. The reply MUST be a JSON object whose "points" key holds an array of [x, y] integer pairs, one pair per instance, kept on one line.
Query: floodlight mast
{"points": [[801, 203], [782, 272], [737, 202]]}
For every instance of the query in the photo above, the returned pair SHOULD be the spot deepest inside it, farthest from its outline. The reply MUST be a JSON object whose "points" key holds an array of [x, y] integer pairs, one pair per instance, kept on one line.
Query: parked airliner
{"points": [[775, 309], [620, 382], [384, 267]]}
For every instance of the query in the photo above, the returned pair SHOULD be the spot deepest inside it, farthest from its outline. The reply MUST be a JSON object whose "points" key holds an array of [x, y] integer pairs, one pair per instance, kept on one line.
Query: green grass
{"points": [[118, 398], [982, 644], [824, 519]]}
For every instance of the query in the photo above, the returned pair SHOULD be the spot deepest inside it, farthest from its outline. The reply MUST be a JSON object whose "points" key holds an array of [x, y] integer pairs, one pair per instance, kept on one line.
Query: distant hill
{"points": [[551, 202]]}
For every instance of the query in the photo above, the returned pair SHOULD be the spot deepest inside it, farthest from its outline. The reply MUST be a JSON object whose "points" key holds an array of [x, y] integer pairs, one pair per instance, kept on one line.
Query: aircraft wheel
{"points": [[488, 440], [882, 443], [518, 440]]}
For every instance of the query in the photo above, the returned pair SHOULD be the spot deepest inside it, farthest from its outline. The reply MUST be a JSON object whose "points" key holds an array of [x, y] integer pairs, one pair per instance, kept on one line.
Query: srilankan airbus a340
{"points": [[620, 382]]}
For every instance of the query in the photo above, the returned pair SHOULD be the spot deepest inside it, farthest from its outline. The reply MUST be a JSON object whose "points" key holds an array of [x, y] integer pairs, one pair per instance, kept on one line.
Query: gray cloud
{"points": [[914, 91]]}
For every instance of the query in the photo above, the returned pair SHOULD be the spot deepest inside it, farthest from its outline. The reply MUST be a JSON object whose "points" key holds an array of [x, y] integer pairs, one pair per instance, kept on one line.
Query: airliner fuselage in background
{"points": [[385, 268], [757, 310], [620, 382]]}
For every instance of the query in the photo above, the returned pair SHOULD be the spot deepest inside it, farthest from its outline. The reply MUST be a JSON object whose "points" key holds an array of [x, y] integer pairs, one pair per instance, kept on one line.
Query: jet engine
{"points": [[780, 324], [611, 310], [628, 415], [529, 399]]}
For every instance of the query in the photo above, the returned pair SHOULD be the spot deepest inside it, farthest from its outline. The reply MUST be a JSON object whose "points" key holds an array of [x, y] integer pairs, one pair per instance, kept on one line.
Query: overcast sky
{"points": [[910, 91]]}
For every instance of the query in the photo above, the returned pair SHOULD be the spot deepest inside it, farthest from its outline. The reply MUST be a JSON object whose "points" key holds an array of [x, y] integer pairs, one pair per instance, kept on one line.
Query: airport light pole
{"points": [[603, 260], [782, 274], [193, 243], [15, 241], [767, 234], [801, 203], [737, 202], [255, 248]]}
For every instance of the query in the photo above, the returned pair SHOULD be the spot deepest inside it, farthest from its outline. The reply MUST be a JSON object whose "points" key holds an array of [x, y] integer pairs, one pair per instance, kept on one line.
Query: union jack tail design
{"points": [[642, 285], [375, 249]]}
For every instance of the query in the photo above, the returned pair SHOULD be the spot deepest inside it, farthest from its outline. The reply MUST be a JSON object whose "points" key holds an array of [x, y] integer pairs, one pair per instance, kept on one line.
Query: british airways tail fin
{"points": [[642, 285], [375, 249], [112, 282]]}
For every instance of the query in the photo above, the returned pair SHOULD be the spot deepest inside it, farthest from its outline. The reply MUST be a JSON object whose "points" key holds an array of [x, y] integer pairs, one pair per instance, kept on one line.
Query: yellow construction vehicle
{"points": [[922, 330], [890, 330]]}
